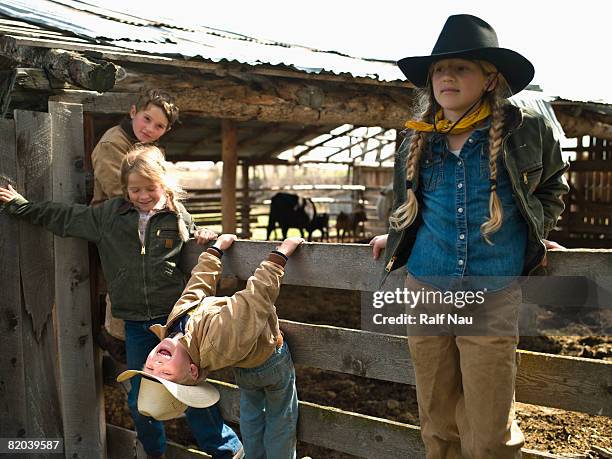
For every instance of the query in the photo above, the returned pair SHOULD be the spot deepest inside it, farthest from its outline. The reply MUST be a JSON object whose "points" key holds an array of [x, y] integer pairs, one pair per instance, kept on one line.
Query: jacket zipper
{"points": [[143, 252], [518, 198]]}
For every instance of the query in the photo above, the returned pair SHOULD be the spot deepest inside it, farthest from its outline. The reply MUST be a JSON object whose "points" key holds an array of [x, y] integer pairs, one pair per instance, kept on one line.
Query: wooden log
{"points": [[84, 435], [278, 100], [229, 156], [12, 358], [64, 65], [577, 126], [36, 270]]}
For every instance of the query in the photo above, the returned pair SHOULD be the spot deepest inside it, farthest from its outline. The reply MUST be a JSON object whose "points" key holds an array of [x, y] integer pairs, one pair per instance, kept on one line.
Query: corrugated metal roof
{"points": [[540, 103], [160, 37]]}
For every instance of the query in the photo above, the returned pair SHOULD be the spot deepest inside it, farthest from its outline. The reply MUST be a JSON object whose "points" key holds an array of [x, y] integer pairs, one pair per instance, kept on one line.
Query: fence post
{"points": [[80, 396], [12, 376]]}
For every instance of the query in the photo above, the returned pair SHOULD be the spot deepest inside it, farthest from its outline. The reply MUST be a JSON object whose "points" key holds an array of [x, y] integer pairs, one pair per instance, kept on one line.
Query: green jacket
{"points": [[532, 157], [144, 280]]}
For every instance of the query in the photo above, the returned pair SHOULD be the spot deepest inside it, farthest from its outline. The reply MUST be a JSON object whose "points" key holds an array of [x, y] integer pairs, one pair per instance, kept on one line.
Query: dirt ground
{"points": [[545, 429]]}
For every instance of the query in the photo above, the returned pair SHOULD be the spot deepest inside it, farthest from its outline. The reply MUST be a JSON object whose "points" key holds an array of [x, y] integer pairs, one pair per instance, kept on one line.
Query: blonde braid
{"points": [[496, 213], [173, 201], [405, 214]]}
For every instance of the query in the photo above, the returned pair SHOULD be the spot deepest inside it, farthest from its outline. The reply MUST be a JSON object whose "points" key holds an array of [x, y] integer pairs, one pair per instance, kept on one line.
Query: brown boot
{"points": [[155, 457]]}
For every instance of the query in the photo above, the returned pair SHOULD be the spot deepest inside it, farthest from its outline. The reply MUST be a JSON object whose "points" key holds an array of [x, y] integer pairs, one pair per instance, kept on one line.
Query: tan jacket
{"points": [[240, 330], [106, 161]]}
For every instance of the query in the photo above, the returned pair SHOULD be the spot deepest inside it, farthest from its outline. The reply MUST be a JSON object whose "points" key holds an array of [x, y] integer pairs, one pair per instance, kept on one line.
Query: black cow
{"points": [[290, 211], [319, 222]]}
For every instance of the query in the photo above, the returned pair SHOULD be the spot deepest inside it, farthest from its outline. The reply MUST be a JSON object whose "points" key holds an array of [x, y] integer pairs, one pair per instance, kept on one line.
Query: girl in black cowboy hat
{"points": [[477, 187]]}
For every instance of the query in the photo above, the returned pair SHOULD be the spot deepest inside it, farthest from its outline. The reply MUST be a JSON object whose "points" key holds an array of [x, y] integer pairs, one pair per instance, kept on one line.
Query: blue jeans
{"points": [[207, 426], [269, 407]]}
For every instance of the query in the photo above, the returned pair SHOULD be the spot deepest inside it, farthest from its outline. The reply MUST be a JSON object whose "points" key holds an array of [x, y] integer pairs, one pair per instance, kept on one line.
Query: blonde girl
{"points": [[477, 187], [139, 237]]}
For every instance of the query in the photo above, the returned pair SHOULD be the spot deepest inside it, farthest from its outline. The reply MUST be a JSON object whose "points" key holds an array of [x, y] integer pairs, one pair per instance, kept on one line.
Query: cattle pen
{"points": [[54, 386]]}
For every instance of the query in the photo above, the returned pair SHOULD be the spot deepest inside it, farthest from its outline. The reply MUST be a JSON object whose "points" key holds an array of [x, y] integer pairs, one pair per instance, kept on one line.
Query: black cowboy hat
{"points": [[468, 37]]}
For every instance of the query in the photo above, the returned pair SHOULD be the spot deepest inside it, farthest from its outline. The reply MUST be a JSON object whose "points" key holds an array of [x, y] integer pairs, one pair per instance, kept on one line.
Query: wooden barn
{"points": [[68, 71], [587, 219]]}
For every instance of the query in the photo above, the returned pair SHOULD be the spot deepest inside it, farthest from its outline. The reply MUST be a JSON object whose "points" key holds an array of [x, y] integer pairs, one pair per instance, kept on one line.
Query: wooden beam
{"points": [[234, 99], [12, 380], [578, 126], [36, 268], [229, 156], [65, 65], [246, 202], [84, 435]]}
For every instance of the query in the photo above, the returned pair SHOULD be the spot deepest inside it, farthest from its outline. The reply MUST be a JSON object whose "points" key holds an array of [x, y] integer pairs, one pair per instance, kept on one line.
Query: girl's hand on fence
{"points": [[552, 245], [289, 245], [8, 194], [204, 235], [549, 245], [378, 244], [225, 241]]}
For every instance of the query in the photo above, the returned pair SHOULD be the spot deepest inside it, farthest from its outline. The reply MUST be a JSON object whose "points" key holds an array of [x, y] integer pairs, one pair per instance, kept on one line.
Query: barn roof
{"points": [[147, 34]]}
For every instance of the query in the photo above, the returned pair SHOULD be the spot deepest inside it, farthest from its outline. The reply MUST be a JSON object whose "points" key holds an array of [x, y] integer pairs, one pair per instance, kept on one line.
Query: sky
{"points": [[567, 41]]}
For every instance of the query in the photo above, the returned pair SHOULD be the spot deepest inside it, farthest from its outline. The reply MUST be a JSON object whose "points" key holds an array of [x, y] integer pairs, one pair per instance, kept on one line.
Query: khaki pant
{"points": [[465, 392]]}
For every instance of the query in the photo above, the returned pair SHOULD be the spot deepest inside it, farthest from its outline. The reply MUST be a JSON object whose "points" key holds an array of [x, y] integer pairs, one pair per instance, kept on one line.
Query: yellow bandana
{"points": [[444, 125]]}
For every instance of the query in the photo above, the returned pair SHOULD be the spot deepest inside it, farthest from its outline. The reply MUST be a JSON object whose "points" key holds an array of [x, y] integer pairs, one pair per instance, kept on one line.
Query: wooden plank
{"points": [[37, 272], [570, 383], [12, 359], [361, 353], [352, 433], [84, 435], [123, 444], [305, 267], [229, 156]]}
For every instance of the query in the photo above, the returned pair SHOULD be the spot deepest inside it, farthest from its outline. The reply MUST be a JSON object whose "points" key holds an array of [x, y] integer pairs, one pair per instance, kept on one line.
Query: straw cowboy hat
{"points": [[468, 37], [162, 399]]}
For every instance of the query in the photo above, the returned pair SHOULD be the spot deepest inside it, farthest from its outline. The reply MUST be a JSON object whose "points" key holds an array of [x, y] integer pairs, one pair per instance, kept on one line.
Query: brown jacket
{"points": [[106, 161], [240, 330]]}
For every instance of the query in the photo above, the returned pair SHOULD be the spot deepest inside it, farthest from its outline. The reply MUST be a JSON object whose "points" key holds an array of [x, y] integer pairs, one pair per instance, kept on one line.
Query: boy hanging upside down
{"points": [[205, 333]]}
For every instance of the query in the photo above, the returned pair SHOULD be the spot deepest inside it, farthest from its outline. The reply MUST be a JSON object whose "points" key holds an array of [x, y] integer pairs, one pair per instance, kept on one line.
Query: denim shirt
{"points": [[455, 201]]}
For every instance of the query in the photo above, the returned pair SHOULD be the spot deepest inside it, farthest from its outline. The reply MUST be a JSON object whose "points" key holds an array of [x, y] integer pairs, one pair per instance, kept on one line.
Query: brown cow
{"points": [[348, 224]]}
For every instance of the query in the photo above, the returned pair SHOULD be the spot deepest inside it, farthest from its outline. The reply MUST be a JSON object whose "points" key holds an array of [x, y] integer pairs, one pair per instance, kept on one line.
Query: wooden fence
{"points": [[50, 385]]}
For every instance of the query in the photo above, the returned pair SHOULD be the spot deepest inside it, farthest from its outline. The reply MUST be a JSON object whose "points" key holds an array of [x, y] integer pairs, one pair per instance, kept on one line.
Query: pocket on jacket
{"points": [[167, 233], [431, 173], [531, 176]]}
